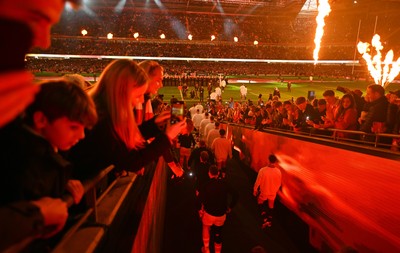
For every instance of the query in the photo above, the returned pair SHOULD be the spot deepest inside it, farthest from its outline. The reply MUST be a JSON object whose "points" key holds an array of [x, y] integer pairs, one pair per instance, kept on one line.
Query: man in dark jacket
{"points": [[213, 197], [377, 112], [306, 113]]}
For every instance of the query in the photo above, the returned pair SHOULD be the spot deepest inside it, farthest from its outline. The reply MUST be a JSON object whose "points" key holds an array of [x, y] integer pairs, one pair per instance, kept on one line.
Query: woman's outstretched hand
{"points": [[173, 130]]}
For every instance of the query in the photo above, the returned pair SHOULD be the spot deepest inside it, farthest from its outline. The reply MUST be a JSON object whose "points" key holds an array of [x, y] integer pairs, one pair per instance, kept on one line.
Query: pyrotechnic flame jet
{"points": [[323, 10], [382, 76]]}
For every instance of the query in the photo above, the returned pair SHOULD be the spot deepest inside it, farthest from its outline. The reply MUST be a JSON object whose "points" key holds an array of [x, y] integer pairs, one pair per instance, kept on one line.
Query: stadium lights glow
{"points": [[256, 42], [84, 32], [190, 37], [68, 6], [331, 62], [162, 36], [136, 35], [212, 37], [110, 36], [235, 39]]}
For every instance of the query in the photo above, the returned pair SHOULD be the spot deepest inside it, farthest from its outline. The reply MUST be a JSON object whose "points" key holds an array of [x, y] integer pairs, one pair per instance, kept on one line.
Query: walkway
{"points": [[242, 230]]}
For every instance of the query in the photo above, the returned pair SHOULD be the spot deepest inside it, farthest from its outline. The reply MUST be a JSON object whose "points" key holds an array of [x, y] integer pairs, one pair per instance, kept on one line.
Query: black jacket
{"points": [[214, 196], [377, 112], [31, 169], [101, 148]]}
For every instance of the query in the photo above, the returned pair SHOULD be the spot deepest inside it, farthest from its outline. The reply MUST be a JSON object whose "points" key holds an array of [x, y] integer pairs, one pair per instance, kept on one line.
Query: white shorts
{"points": [[209, 220]]}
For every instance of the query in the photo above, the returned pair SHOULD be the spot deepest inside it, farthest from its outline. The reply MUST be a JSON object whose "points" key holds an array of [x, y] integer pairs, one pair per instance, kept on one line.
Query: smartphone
{"points": [[177, 111]]}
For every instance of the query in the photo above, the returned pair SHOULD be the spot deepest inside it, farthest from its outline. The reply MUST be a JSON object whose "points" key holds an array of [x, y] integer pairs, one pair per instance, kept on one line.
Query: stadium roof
{"points": [[251, 7], [229, 7]]}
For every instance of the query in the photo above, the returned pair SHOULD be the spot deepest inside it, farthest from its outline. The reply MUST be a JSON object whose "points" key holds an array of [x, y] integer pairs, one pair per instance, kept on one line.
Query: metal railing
{"points": [[382, 141], [92, 201]]}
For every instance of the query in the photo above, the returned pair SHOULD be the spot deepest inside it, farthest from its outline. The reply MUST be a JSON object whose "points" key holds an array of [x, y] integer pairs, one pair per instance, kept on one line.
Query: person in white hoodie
{"points": [[268, 182]]}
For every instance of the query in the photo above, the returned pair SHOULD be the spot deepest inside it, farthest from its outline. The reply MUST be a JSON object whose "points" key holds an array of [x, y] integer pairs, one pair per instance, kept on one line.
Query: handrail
{"points": [[88, 184], [89, 188], [361, 141], [68, 199]]}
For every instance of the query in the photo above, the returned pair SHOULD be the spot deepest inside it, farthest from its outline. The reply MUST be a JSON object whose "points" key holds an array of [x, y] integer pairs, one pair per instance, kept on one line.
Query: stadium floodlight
{"points": [[235, 39], [190, 37], [162, 36], [136, 35], [212, 37], [84, 32], [255, 42], [110, 36]]}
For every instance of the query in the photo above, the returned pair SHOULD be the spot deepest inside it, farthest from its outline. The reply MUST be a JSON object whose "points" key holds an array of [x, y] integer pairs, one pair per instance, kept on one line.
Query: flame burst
{"points": [[382, 76], [323, 10]]}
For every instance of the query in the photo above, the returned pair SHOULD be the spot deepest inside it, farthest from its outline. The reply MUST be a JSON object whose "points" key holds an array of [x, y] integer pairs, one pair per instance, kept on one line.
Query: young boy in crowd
{"points": [[31, 165]]}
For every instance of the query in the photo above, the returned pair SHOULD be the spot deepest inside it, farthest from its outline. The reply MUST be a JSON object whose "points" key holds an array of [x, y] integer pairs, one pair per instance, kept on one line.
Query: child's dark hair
{"points": [[204, 156], [213, 170], [272, 158], [61, 98]]}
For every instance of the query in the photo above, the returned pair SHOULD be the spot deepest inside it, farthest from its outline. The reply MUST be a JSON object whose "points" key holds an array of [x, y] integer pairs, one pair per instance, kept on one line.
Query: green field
{"points": [[299, 87], [265, 88]]}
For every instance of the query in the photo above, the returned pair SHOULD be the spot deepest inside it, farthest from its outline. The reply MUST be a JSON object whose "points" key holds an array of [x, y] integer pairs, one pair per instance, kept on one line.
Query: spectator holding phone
{"points": [[117, 139], [346, 115], [144, 111]]}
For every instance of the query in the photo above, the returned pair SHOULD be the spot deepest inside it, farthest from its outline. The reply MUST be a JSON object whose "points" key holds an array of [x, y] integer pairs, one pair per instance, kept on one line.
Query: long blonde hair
{"points": [[112, 96]]}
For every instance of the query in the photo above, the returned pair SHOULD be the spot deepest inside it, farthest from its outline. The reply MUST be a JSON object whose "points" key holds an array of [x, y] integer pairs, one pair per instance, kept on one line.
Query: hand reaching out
{"points": [[75, 187], [176, 169], [162, 118], [173, 130]]}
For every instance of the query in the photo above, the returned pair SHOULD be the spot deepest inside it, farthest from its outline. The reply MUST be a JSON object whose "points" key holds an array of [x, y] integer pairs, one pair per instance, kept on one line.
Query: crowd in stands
{"points": [[340, 27], [93, 46], [373, 113], [177, 69], [279, 37]]}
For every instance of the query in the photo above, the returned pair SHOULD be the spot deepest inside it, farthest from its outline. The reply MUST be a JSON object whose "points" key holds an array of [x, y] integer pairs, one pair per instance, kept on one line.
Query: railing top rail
{"points": [[87, 185]]}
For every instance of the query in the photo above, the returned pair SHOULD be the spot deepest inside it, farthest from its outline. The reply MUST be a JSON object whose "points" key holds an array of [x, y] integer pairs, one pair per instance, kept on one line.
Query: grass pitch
{"points": [[266, 86]]}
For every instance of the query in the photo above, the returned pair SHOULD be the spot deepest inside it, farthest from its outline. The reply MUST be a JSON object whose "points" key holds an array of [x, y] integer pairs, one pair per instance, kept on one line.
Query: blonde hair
{"points": [[78, 80], [150, 67], [112, 96]]}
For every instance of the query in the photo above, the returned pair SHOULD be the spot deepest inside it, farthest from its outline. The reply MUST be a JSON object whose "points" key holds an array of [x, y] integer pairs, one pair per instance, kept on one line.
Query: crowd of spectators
{"points": [[374, 113], [177, 69], [160, 48], [340, 27], [280, 37]]}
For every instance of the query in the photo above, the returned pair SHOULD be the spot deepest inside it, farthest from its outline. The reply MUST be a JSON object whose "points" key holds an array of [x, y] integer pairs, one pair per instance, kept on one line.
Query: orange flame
{"points": [[382, 76], [323, 10]]}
